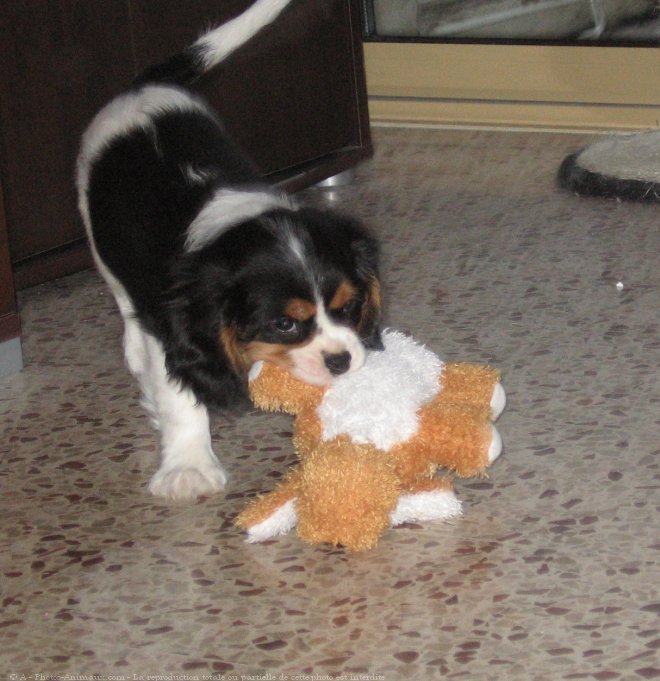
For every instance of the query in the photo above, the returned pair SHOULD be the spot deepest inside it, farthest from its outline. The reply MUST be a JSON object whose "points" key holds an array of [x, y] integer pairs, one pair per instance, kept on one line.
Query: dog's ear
{"points": [[369, 327], [366, 253], [195, 354]]}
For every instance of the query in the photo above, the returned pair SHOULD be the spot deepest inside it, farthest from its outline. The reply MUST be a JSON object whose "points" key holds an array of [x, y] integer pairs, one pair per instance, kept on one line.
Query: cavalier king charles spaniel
{"points": [[212, 270]]}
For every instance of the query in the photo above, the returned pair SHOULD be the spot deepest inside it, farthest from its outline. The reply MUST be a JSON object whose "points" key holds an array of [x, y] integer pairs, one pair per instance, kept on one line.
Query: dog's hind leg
{"points": [[136, 356]]}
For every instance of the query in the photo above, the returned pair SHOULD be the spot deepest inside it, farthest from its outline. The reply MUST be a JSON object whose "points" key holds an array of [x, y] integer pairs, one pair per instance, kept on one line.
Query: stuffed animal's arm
{"points": [[451, 436], [475, 385]]}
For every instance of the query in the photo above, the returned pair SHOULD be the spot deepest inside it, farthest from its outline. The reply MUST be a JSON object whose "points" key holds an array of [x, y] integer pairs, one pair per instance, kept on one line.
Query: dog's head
{"points": [[304, 294], [297, 287]]}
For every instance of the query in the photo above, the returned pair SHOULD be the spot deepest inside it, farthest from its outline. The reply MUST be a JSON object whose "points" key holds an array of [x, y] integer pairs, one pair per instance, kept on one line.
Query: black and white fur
{"points": [[211, 269]]}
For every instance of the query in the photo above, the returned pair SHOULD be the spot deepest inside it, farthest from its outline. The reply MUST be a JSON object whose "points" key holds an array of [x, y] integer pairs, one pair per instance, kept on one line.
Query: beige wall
{"points": [[538, 86]]}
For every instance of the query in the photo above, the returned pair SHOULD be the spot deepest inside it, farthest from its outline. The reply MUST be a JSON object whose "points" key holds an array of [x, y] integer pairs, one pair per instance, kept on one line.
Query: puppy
{"points": [[211, 269]]}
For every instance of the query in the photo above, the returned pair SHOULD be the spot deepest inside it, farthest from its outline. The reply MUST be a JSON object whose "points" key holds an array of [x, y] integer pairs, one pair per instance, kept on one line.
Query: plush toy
{"points": [[370, 444]]}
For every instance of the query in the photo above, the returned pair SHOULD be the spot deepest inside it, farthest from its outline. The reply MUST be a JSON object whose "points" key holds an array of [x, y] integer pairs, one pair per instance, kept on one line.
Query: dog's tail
{"points": [[213, 47]]}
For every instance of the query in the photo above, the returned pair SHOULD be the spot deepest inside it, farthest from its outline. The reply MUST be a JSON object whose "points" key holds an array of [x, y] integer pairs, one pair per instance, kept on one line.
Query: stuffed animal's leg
{"points": [[475, 385], [271, 514], [428, 500]]}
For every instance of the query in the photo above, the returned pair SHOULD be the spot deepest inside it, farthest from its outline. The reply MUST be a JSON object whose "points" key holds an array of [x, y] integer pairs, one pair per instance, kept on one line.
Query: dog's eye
{"points": [[351, 307], [285, 325]]}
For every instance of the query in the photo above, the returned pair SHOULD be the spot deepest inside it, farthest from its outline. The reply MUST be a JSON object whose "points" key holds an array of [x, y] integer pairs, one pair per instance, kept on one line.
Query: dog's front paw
{"points": [[186, 483]]}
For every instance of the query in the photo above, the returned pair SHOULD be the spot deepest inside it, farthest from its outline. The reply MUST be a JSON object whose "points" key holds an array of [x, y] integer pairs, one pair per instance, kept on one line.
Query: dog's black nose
{"points": [[338, 363]]}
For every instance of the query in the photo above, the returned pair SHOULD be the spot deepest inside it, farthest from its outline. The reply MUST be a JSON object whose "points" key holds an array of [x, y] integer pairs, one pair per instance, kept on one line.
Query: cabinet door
{"points": [[59, 62], [294, 97]]}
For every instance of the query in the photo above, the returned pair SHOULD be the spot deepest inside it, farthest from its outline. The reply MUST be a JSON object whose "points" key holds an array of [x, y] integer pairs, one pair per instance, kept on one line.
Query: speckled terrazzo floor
{"points": [[552, 572]]}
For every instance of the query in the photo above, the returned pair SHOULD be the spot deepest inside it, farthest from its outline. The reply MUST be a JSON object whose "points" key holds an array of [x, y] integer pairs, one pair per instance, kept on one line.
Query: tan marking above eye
{"points": [[345, 292], [300, 309]]}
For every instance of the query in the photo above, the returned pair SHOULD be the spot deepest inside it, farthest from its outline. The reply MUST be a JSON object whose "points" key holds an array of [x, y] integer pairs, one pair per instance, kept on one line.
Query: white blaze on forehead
{"points": [[330, 338], [296, 247], [229, 207], [379, 403]]}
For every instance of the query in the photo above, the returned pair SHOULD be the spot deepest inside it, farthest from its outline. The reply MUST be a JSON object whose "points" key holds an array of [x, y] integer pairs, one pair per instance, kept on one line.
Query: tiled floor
{"points": [[551, 573]]}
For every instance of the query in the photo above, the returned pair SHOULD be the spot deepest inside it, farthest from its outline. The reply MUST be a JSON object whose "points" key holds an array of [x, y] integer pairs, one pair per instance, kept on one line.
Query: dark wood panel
{"points": [[288, 97], [59, 61], [10, 326], [57, 262]]}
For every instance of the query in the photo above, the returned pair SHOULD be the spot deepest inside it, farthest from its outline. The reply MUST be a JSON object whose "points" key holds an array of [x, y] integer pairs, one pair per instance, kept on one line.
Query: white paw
{"points": [[186, 483], [497, 401], [495, 448]]}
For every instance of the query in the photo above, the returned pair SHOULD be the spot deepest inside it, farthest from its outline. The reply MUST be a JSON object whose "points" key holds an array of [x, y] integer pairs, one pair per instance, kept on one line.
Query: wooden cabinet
{"points": [[295, 97]]}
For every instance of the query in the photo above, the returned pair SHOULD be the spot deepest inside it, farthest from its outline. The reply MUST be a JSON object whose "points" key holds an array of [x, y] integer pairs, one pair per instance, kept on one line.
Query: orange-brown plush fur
{"points": [[344, 491]]}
